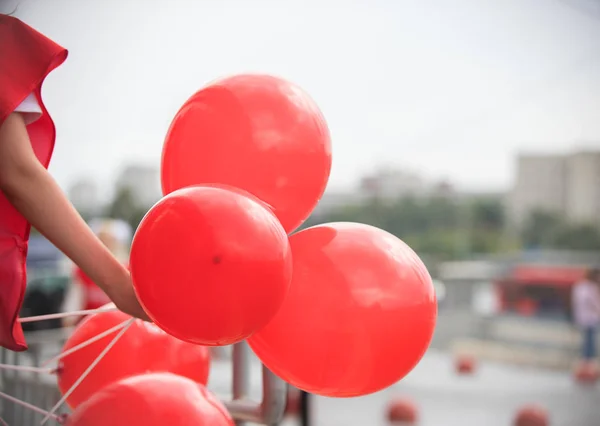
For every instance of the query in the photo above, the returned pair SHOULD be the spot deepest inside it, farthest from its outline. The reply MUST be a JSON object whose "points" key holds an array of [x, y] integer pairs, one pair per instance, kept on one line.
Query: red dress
{"points": [[26, 58]]}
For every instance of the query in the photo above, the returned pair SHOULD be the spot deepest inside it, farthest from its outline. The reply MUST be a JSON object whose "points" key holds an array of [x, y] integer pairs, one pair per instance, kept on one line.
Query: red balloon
{"points": [[210, 265], [143, 348], [152, 400], [255, 132], [359, 315], [587, 372]]}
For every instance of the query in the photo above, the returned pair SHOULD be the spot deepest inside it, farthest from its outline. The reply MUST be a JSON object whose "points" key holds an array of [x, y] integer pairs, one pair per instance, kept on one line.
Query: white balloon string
{"points": [[85, 343], [2, 422], [88, 371], [26, 368], [66, 314], [49, 415]]}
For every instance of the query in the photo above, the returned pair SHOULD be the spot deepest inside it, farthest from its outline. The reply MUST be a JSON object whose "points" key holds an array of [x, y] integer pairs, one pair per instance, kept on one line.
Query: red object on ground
{"points": [[402, 411], [361, 306], [211, 264], [26, 59], [143, 348], [531, 415], [465, 364], [586, 372], [152, 400], [255, 132]]}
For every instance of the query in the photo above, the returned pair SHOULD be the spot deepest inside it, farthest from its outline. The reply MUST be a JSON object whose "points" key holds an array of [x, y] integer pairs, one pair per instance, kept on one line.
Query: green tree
{"points": [[540, 228], [488, 214], [576, 237], [548, 230], [125, 207], [428, 225]]}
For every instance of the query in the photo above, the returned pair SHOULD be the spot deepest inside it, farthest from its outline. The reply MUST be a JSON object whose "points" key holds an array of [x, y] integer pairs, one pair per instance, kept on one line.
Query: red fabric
{"points": [[94, 296], [26, 58]]}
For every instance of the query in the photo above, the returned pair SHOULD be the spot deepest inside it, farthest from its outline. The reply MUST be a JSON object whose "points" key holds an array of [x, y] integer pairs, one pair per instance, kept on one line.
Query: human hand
{"points": [[123, 296]]}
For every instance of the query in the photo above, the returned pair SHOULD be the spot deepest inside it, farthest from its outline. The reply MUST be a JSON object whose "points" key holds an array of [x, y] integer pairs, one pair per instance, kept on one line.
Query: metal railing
{"points": [[41, 390], [31, 387], [270, 410]]}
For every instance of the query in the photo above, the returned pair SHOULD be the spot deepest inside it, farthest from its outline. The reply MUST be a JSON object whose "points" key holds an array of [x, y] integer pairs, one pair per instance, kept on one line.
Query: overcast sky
{"points": [[451, 89]]}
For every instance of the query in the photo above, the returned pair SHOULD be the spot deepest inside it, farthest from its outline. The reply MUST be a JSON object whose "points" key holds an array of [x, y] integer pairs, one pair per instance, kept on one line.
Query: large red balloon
{"points": [[210, 265], [255, 132], [143, 348], [359, 315], [152, 400]]}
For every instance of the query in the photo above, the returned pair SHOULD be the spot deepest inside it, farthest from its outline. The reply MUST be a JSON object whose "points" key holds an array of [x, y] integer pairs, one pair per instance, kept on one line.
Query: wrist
{"points": [[112, 278]]}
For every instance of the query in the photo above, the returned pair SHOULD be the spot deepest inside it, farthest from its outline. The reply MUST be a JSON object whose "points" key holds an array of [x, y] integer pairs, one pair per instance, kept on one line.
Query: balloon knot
{"points": [[59, 369]]}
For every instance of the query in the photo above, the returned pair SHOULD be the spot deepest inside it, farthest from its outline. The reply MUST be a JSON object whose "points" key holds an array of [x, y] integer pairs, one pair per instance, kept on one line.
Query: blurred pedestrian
{"points": [[83, 293], [586, 311], [28, 193]]}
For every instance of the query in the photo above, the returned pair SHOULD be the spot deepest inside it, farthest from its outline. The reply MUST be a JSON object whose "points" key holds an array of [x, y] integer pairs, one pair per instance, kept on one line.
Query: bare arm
{"points": [[35, 194]]}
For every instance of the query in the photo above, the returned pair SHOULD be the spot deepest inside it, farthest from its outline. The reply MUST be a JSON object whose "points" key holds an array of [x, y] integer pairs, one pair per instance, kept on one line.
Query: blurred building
{"points": [[565, 184], [85, 196], [143, 182], [582, 195], [539, 185], [333, 200], [393, 184], [386, 185]]}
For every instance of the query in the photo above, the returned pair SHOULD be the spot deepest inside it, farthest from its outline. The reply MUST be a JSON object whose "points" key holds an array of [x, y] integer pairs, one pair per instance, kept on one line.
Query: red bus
{"points": [[538, 290]]}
